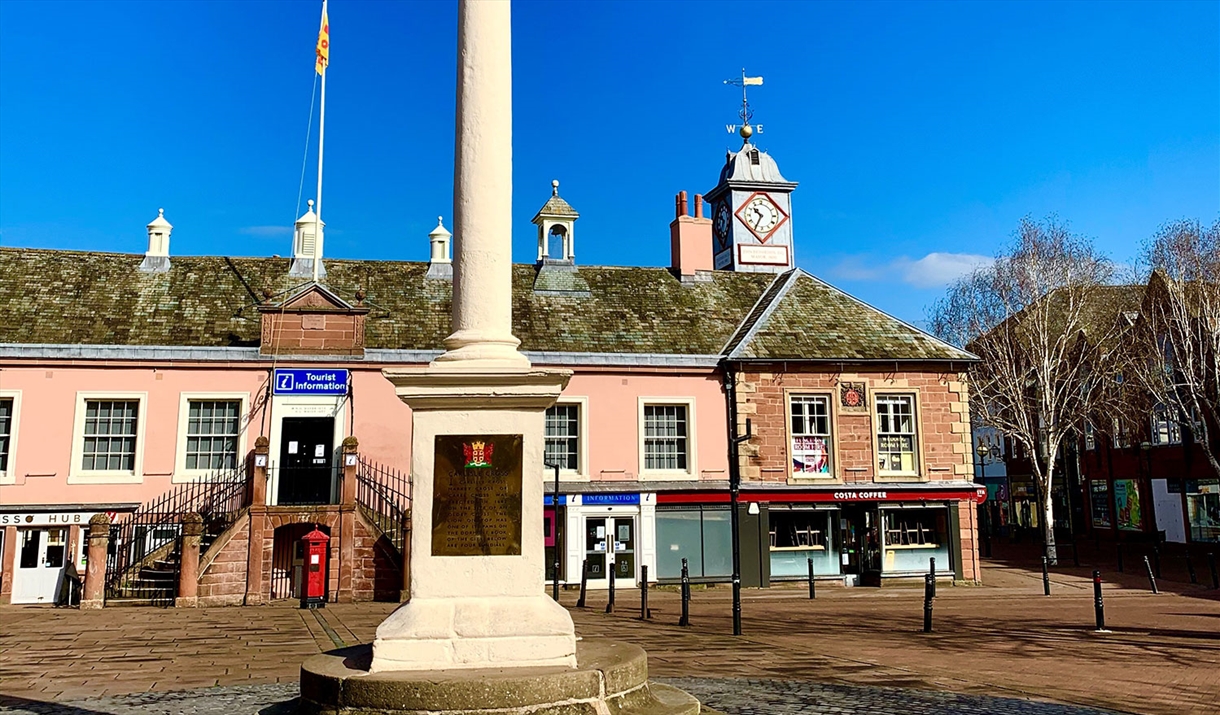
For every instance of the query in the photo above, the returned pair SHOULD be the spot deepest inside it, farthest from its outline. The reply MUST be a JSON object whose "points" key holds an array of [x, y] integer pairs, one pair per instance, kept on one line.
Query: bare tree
{"points": [[1044, 322], [1175, 353]]}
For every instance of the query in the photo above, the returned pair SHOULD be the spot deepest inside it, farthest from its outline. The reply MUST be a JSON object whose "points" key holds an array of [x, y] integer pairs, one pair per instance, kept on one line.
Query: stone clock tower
{"points": [[752, 213]]}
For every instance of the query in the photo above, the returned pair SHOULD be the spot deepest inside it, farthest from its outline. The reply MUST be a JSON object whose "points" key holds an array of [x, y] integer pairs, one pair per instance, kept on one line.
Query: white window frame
{"points": [[1173, 430], [582, 439], [692, 445], [9, 475], [832, 416], [917, 447], [181, 473], [1090, 436], [78, 475]]}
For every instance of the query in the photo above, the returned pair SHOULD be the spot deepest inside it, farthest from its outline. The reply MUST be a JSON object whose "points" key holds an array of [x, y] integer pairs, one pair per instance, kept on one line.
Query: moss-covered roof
{"points": [[89, 298], [803, 318], [69, 297]]}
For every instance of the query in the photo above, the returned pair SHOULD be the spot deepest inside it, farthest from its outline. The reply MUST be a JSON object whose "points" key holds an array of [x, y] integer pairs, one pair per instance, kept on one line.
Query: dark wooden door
{"points": [[306, 460]]}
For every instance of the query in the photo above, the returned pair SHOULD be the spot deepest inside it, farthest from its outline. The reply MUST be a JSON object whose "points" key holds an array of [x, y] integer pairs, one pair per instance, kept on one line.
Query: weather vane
{"points": [[746, 113]]}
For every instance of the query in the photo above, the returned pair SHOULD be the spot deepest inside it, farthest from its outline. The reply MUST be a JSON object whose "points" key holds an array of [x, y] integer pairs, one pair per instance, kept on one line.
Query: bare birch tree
{"points": [[1175, 353], [1043, 322]]}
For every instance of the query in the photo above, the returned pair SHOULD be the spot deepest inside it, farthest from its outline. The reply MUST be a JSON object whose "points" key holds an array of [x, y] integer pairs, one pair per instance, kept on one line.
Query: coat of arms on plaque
{"points": [[477, 454], [851, 396]]}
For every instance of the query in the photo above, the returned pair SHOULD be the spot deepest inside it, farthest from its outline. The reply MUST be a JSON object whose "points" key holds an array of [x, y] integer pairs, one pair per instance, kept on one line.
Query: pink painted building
{"points": [[144, 387]]}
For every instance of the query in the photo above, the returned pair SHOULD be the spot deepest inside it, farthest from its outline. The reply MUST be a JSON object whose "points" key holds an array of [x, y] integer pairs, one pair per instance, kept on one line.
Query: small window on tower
{"points": [[754, 157]]}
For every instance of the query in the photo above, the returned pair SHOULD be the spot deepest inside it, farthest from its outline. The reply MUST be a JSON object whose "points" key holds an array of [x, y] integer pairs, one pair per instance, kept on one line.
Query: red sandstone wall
{"points": [[944, 430], [223, 582], [312, 333]]}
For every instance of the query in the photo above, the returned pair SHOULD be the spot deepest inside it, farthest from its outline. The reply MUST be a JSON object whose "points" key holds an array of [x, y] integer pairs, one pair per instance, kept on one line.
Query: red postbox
{"points": [[313, 591]]}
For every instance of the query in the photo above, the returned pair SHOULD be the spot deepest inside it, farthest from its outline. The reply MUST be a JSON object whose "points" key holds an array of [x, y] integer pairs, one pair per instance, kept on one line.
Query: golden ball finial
{"points": [[747, 131]]}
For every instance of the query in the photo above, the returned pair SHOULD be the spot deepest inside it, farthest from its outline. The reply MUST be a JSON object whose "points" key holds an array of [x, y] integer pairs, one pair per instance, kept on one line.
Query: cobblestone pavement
{"points": [[1162, 656], [732, 696]]}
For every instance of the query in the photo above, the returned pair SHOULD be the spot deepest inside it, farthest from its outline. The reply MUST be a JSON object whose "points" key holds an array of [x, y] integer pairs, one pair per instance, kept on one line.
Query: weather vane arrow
{"points": [[746, 113]]}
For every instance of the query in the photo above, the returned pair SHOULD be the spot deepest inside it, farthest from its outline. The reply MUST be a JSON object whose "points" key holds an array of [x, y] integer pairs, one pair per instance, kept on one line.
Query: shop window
{"points": [[1203, 509], [213, 427], [110, 435], [1099, 501], [896, 434], [1127, 504], [6, 432], [912, 537], [811, 438], [563, 436], [701, 535], [665, 437], [30, 539], [798, 535], [1164, 429], [57, 547], [1118, 434]]}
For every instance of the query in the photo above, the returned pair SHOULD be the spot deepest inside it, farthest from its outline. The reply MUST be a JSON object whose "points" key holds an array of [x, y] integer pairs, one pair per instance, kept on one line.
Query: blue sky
{"points": [[920, 133]]}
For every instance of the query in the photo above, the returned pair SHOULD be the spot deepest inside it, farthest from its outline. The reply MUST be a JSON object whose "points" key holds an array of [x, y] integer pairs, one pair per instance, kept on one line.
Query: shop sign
{"points": [[52, 518], [1127, 504], [861, 496], [547, 499], [311, 382], [609, 499]]}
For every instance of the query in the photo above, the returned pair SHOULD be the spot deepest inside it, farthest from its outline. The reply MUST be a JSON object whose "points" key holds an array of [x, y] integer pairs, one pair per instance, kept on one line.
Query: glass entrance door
{"points": [[40, 565], [859, 530], [610, 544]]}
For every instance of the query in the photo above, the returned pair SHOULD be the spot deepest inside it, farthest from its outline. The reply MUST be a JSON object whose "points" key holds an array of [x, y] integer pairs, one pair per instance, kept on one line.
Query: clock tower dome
{"points": [[751, 212]]}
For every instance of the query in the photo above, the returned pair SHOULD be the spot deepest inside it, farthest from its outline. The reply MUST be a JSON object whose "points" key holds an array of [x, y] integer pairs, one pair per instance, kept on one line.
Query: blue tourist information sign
{"points": [[310, 382]]}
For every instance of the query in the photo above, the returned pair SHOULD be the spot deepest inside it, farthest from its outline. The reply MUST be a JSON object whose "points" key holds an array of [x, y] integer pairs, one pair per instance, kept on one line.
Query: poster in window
{"points": [[810, 456], [1127, 504], [1099, 493]]}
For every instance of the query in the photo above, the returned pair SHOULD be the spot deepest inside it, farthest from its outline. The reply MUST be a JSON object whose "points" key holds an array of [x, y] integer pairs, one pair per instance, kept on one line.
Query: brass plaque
{"points": [[476, 500]]}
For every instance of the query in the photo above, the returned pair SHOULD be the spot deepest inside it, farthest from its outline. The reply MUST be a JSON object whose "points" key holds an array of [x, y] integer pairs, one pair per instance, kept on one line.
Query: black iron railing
{"points": [[384, 494], [142, 562]]}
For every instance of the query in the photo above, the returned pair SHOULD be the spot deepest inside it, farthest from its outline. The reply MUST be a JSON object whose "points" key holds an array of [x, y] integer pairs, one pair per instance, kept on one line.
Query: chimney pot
{"points": [[698, 205], [681, 204]]}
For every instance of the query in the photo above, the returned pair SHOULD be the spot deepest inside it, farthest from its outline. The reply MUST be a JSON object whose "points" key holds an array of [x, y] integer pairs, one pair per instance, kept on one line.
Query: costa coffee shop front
{"points": [[859, 536]]}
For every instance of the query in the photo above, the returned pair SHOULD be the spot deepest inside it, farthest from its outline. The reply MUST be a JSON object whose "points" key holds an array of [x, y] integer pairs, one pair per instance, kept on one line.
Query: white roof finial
{"points": [[554, 187], [439, 231], [309, 203]]}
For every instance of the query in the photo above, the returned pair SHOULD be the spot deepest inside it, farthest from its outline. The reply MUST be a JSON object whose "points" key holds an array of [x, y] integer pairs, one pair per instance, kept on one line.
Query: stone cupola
{"points": [[306, 244], [440, 262], [156, 259], [556, 221]]}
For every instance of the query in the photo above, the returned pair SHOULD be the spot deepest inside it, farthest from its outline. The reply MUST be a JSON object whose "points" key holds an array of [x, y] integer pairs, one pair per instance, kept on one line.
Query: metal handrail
{"points": [[384, 493]]}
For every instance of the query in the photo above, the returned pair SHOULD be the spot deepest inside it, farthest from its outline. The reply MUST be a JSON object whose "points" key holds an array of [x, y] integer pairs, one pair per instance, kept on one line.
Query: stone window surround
{"points": [[181, 473], [78, 475], [920, 474], [581, 473], [9, 475], [692, 449], [836, 473]]}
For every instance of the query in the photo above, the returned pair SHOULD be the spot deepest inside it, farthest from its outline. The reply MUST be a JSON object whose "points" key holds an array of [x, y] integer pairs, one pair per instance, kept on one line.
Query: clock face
{"points": [[761, 215], [722, 222]]}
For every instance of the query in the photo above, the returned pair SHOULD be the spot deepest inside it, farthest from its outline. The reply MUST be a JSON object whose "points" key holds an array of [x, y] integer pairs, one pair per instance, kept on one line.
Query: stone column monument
{"points": [[479, 634]]}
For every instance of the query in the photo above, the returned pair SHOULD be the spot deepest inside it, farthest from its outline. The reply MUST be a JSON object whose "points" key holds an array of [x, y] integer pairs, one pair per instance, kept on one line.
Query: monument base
{"points": [[610, 678]]}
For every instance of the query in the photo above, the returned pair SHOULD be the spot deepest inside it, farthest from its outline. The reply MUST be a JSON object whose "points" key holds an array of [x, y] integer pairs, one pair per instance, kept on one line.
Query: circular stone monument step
{"points": [[610, 678]]}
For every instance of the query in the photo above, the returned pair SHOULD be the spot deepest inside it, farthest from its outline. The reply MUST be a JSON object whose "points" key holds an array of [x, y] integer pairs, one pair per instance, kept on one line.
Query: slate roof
{"points": [[803, 318], [92, 298]]}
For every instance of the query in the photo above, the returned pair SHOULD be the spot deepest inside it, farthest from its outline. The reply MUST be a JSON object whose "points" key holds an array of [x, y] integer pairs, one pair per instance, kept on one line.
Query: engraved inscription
{"points": [[476, 504]]}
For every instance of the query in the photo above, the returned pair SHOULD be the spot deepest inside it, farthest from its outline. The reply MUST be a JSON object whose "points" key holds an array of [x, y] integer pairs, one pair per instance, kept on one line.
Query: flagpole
{"points": [[317, 229]]}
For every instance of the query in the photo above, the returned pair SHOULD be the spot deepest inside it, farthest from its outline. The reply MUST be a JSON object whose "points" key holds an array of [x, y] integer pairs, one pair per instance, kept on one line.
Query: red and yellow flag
{"points": [[323, 43]]}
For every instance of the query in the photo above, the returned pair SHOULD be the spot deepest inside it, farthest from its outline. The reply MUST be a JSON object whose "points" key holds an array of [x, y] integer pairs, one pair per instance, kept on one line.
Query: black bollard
{"points": [[584, 583], [1151, 577], [610, 603], [1211, 565], [1046, 577], [1190, 569], [1156, 560], [644, 593], [684, 619], [929, 592], [812, 593], [932, 573], [1099, 607], [1119, 548]]}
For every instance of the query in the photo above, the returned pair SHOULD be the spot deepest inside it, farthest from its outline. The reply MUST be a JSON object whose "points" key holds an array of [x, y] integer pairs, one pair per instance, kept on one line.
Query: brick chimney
{"points": [[690, 239]]}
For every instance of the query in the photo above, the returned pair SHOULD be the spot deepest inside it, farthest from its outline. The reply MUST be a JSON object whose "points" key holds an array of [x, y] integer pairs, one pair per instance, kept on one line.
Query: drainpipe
{"points": [[730, 396]]}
